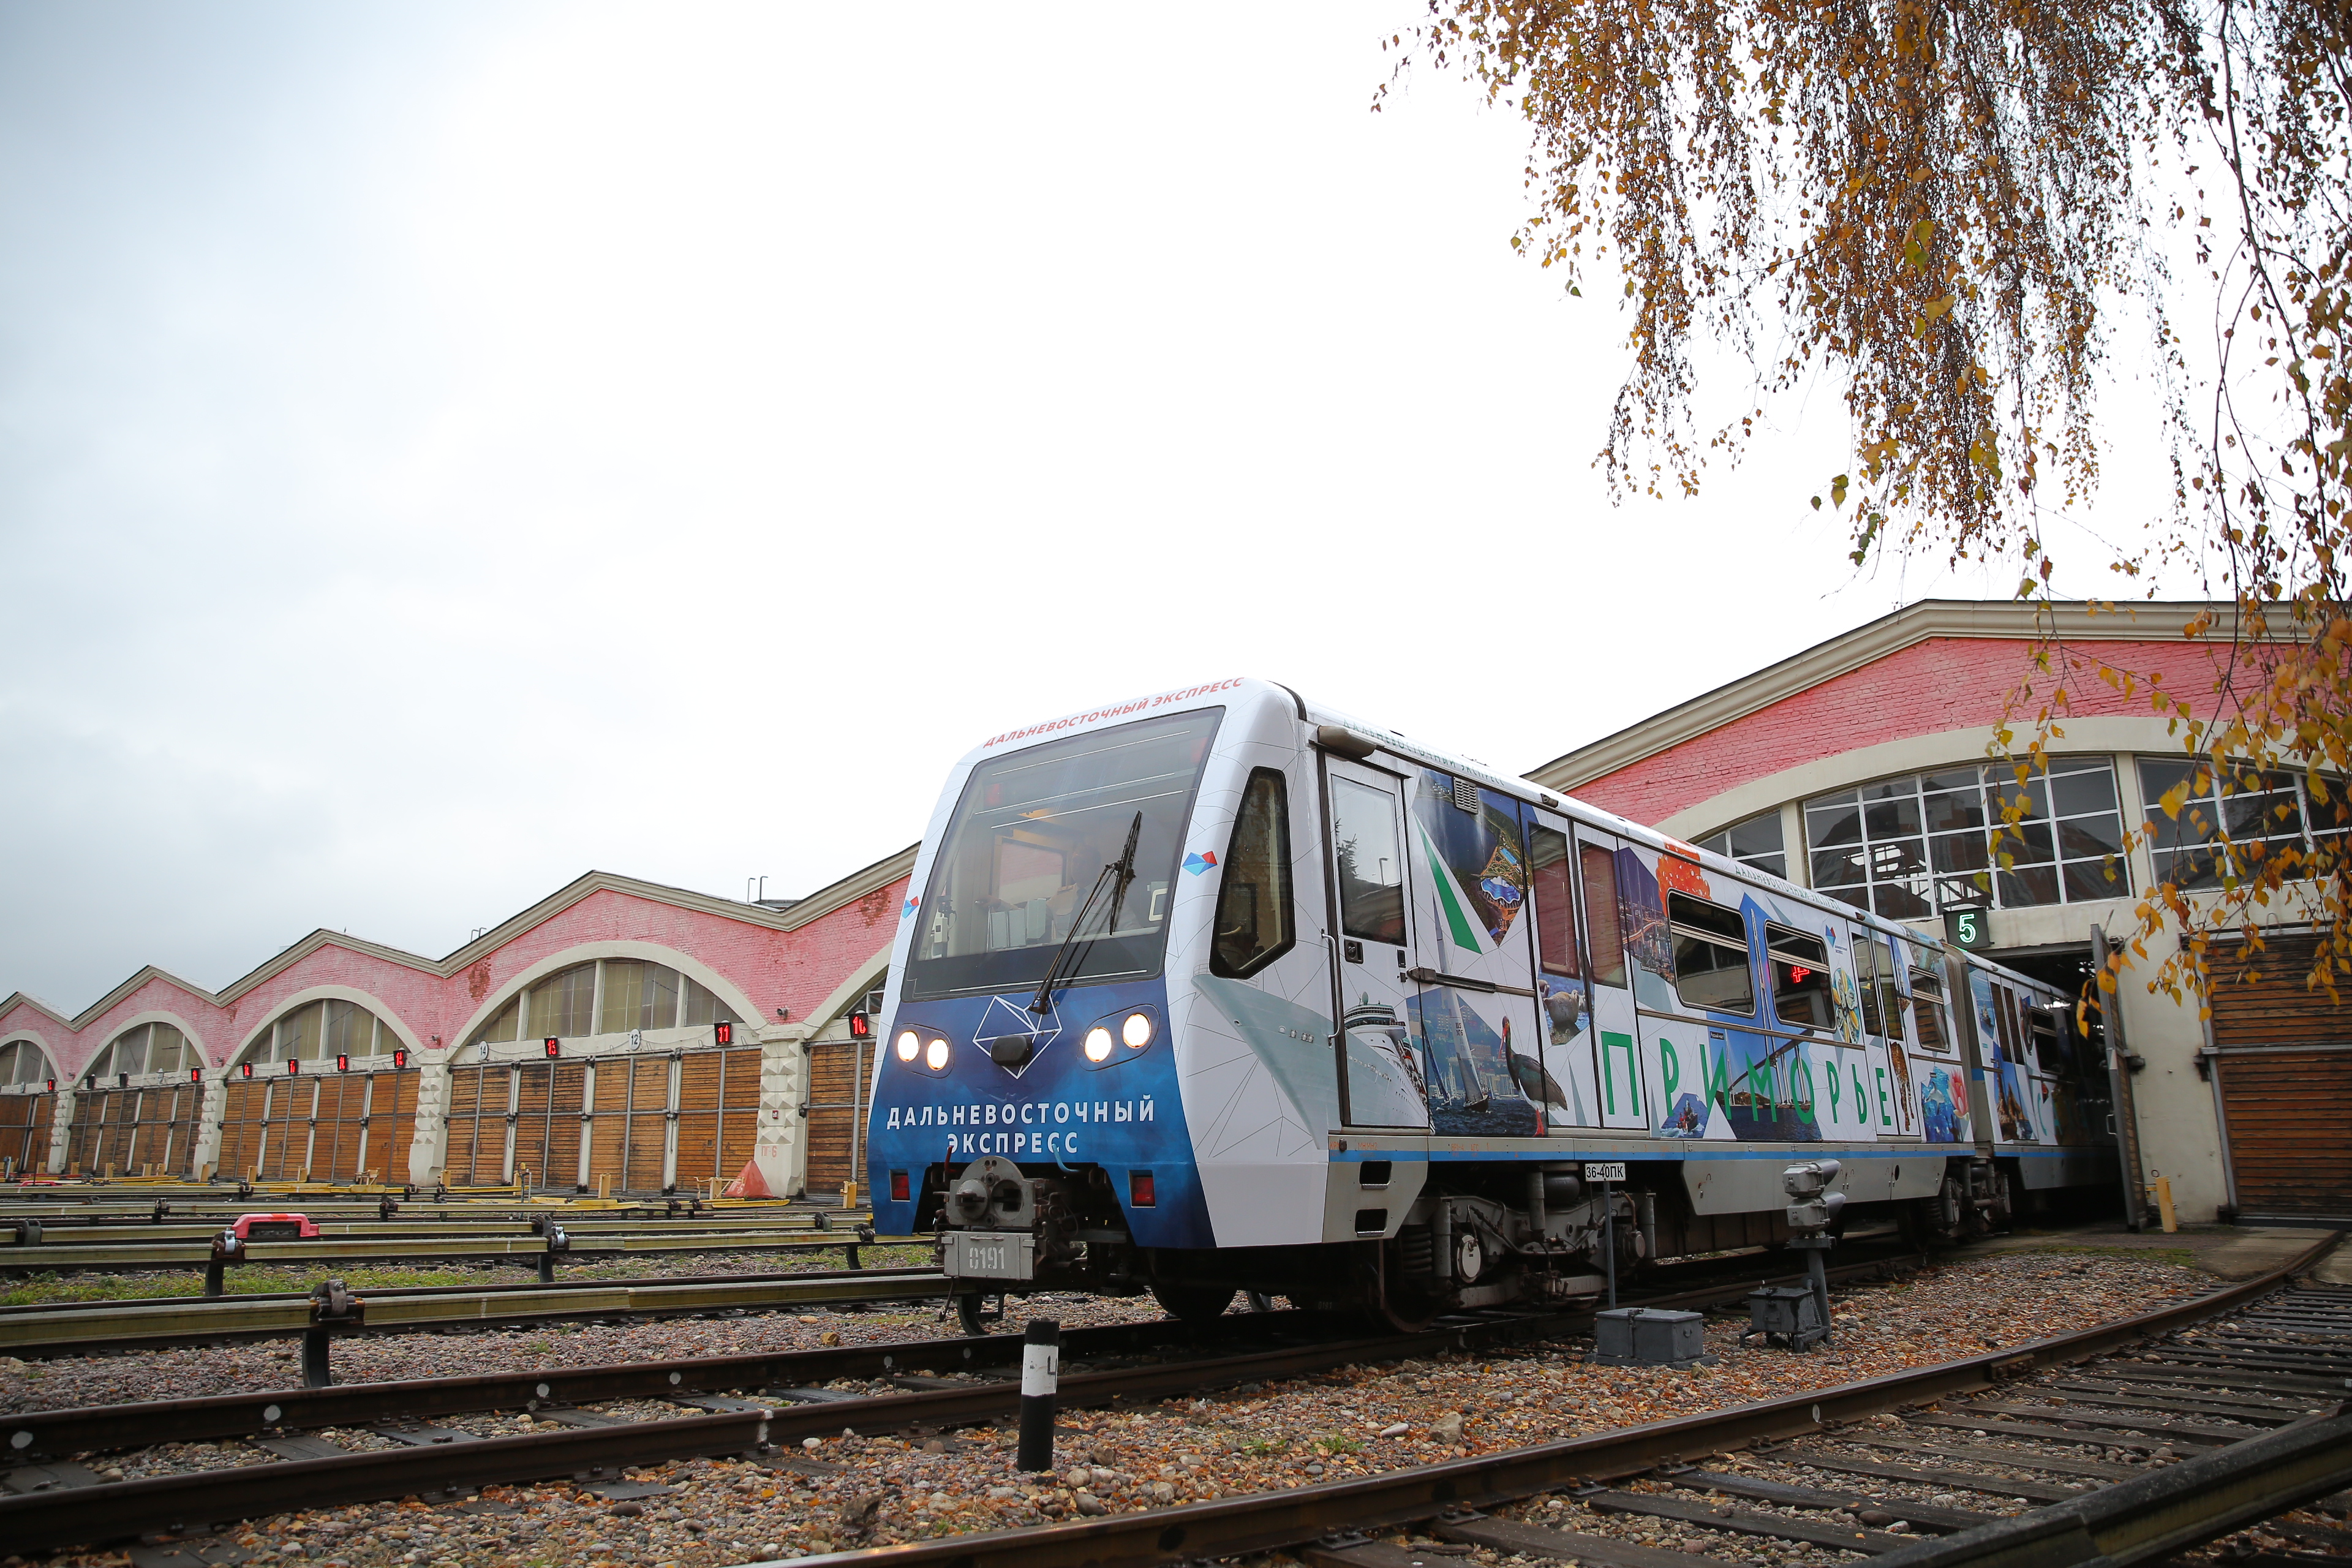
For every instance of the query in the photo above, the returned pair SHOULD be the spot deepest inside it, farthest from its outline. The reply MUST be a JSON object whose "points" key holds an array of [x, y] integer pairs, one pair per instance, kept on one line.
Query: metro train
{"points": [[1220, 991]]}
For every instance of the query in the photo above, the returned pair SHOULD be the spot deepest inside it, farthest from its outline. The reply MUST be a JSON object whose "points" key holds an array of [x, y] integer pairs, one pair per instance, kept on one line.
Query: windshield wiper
{"points": [[1121, 873]]}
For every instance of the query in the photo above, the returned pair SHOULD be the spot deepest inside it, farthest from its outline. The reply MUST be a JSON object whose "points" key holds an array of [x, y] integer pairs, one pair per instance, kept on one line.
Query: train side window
{"points": [[1890, 998], [2047, 1050], [1553, 884], [1371, 863], [1866, 982], [1254, 922], [1710, 955], [1604, 927], [1927, 1008], [1801, 978], [2004, 1009]]}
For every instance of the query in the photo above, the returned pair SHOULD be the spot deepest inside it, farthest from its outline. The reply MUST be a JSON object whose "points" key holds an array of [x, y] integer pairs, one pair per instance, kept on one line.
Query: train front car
{"points": [[1027, 1097]]}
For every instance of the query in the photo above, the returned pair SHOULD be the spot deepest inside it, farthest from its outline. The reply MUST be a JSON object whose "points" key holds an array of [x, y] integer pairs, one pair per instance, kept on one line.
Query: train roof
{"points": [[1222, 692]]}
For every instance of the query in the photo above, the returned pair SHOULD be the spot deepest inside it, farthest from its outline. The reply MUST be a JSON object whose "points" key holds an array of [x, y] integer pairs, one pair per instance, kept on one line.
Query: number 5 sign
{"points": [[1967, 929]]}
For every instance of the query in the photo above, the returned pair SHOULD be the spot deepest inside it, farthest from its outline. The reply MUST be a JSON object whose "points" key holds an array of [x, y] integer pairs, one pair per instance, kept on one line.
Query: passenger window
{"points": [[2005, 1020], [1927, 1008], [1603, 927], [1710, 955], [1866, 983], [1555, 895], [1890, 996], [1254, 919], [1371, 863], [1801, 978], [2046, 1049]]}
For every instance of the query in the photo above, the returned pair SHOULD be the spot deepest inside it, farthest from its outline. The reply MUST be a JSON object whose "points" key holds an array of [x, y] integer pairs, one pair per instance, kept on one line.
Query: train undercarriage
{"points": [[1474, 1235]]}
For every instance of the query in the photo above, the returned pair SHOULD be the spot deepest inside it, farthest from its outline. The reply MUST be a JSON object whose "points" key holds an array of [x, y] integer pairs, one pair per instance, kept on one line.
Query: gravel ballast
{"points": [[854, 1490]]}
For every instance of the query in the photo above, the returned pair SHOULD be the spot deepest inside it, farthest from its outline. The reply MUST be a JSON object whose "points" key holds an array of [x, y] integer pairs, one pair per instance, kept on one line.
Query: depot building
{"points": [[1861, 768], [619, 1037]]}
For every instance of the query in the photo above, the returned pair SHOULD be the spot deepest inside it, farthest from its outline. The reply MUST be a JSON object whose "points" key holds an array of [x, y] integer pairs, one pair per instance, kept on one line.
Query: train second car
{"points": [[1216, 991]]}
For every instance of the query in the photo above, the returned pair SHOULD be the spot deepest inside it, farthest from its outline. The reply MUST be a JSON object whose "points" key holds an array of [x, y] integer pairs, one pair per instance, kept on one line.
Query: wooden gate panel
{"points": [[837, 1075], [476, 1146], [547, 1123], [103, 1130], [244, 1116], [164, 1129], [632, 1123], [25, 1123], [2286, 1096], [717, 1113], [292, 1110], [340, 1128], [391, 1125], [2290, 1128]]}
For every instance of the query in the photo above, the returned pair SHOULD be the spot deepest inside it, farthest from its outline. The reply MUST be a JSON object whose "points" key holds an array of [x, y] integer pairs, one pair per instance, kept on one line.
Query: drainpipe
{"points": [[2119, 1070]]}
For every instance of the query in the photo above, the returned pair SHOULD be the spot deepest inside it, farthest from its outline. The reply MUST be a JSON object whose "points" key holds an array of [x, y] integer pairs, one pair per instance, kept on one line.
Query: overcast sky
{"points": [[444, 448]]}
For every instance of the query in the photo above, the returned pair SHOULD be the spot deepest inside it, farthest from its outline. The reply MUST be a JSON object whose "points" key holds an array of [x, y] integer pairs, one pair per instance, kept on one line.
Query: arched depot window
{"points": [[23, 1063], [323, 1030], [630, 993], [150, 1048]]}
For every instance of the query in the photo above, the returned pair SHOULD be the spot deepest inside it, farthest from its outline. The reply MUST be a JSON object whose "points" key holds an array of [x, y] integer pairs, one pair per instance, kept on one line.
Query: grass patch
{"points": [[251, 1280], [1264, 1447], [1335, 1444]]}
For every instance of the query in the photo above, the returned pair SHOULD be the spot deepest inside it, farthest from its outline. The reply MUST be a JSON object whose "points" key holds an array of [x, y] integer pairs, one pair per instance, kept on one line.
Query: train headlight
{"points": [[935, 1055], [1135, 1031], [1097, 1044], [908, 1046]]}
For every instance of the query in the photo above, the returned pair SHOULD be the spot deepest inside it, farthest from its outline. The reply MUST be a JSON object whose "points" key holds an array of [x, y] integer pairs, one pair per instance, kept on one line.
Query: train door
{"points": [[1563, 995], [1474, 1001], [1623, 1102], [2007, 1079], [1893, 1095], [1944, 1111], [1381, 1076]]}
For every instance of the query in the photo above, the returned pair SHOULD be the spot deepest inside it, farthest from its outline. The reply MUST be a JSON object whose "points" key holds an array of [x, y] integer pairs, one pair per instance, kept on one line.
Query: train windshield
{"points": [[1030, 840]]}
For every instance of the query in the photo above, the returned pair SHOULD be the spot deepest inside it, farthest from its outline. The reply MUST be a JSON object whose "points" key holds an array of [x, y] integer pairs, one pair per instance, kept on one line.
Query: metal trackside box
{"points": [[990, 1255], [1648, 1336]]}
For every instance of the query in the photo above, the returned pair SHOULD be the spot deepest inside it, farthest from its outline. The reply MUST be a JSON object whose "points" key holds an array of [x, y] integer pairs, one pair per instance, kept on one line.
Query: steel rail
{"points": [[57, 1518], [150, 1232], [160, 1503], [395, 1249], [112, 1510], [58, 1329], [93, 1428], [2150, 1517], [1289, 1520], [104, 1428]]}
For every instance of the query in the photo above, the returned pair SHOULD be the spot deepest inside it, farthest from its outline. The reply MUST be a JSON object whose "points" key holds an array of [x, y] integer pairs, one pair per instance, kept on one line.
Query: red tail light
{"points": [[1140, 1193], [898, 1189]]}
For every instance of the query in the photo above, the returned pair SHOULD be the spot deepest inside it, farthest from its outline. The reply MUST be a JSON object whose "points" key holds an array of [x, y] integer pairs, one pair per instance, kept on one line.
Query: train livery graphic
{"points": [[1216, 991]]}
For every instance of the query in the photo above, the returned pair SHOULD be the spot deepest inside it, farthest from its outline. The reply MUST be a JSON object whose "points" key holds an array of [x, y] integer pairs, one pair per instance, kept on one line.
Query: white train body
{"points": [[1364, 1013]]}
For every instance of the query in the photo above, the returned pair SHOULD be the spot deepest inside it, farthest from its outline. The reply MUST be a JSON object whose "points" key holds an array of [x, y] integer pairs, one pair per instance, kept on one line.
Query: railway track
{"points": [[2255, 1450], [75, 1328], [355, 1244], [61, 1502]]}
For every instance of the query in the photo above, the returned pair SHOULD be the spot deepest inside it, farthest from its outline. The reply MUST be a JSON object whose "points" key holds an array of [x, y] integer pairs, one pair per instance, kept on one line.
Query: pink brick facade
{"points": [[1942, 683], [764, 959]]}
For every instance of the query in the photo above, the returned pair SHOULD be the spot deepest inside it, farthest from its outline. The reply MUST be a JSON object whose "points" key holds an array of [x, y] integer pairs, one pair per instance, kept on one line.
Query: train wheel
{"points": [[1192, 1303], [1258, 1301], [974, 1321], [1393, 1299]]}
